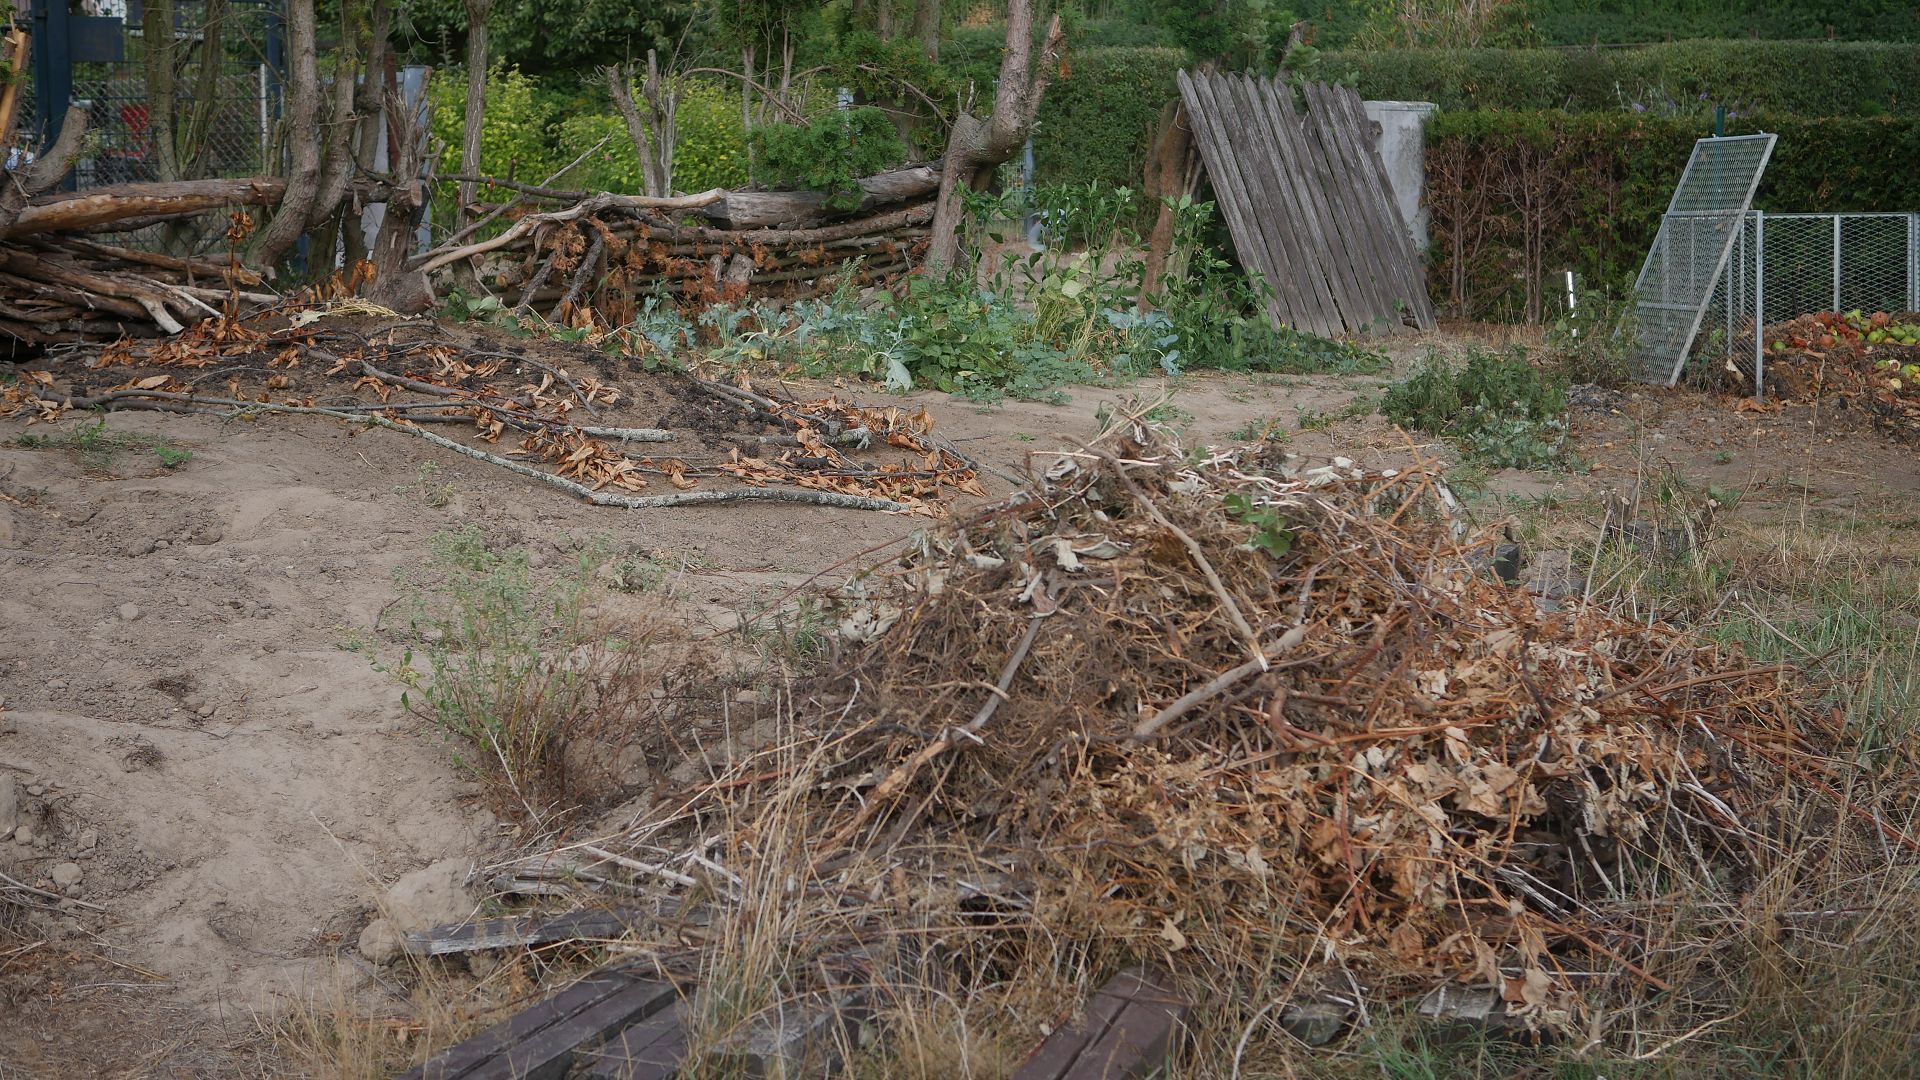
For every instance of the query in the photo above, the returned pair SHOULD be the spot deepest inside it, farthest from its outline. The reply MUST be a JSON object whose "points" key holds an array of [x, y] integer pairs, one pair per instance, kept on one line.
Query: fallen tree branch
{"points": [[599, 202]]}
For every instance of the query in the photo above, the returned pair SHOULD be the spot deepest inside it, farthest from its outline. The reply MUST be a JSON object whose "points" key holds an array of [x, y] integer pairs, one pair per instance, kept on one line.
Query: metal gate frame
{"points": [[1705, 198]]}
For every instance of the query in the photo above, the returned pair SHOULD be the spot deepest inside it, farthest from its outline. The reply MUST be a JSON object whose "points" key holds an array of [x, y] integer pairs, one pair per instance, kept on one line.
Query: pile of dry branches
{"points": [[1230, 713], [591, 260], [354, 361], [59, 282]]}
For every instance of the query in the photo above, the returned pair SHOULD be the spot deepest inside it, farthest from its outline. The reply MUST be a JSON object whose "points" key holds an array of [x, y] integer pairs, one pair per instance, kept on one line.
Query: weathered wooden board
{"points": [[1130, 1028], [1307, 201], [653, 1049], [540, 1043]]}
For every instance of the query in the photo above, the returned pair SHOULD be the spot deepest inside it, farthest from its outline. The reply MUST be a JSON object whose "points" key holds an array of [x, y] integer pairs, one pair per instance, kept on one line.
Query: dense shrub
{"points": [[1804, 78], [828, 153], [711, 151], [1497, 408], [514, 136], [1579, 22], [1515, 197], [1096, 124]]}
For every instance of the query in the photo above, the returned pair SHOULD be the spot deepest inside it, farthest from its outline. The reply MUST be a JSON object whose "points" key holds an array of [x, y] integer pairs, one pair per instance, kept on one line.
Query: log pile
{"points": [[594, 260], [60, 281]]}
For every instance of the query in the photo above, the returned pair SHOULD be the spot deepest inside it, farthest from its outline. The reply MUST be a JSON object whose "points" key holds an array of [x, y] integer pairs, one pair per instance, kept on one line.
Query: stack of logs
{"points": [[598, 259], [61, 280]]}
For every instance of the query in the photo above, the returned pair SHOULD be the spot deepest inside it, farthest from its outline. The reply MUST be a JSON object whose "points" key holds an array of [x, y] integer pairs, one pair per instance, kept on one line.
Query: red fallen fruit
{"points": [[1879, 319], [1826, 341]]}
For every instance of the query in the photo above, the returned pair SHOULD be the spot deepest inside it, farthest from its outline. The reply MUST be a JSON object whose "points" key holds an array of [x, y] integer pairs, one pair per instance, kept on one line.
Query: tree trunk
{"points": [[926, 27], [156, 25], [974, 144], [403, 290], [1169, 178], [19, 185], [338, 170], [303, 140], [197, 151], [654, 135], [477, 12]]}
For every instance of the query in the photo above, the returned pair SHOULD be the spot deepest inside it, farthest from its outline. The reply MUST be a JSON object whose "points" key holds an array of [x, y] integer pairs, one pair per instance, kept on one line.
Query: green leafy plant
{"points": [[1270, 532], [1496, 406], [828, 153], [1595, 342]]}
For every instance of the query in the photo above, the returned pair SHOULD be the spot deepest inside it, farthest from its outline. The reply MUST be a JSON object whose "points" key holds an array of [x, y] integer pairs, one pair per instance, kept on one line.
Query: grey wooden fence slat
{"points": [[1334, 138], [1224, 171], [1406, 259], [1288, 219], [1334, 270], [1307, 201], [1297, 300], [1344, 245]]}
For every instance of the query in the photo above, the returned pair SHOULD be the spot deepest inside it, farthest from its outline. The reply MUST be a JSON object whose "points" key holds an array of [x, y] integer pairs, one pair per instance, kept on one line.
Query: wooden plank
{"points": [[1296, 162], [653, 1049], [1405, 280], [1372, 302], [1129, 1028], [1279, 214], [1057, 1056], [1354, 141], [520, 930], [460, 1062], [548, 1054], [1413, 274], [1139, 1041], [1224, 171]]}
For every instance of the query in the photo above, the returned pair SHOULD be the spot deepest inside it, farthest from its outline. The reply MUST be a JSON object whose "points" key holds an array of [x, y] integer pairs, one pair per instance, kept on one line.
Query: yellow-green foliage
{"points": [[711, 152], [513, 134]]}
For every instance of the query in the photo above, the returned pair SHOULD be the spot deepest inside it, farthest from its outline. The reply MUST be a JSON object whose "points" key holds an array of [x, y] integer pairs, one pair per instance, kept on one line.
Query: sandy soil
{"points": [[234, 786]]}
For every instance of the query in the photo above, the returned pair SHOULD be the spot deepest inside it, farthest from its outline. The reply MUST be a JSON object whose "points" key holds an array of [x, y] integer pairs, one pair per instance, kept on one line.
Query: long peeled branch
{"points": [[99, 206]]}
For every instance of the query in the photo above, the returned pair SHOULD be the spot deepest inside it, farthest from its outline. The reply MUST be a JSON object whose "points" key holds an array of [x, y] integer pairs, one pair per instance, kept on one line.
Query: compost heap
{"points": [[1201, 711], [1856, 360]]}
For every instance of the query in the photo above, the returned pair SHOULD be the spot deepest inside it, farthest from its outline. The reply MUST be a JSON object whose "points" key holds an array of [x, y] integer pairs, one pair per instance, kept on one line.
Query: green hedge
{"points": [[1591, 188], [1097, 123], [1803, 78], [1579, 22]]}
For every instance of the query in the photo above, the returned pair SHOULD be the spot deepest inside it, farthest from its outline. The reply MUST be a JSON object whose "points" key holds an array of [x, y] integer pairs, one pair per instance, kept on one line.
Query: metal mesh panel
{"points": [[1696, 237]]}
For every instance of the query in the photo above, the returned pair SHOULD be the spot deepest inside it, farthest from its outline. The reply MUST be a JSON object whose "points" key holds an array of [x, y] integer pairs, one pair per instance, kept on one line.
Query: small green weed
{"points": [[1317, 420], [1495, 406], [97, 448], [514, 668]]}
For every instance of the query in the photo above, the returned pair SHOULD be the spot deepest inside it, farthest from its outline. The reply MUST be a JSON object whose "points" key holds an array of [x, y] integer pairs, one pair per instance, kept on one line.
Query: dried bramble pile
{"points": [[1224, 710]]}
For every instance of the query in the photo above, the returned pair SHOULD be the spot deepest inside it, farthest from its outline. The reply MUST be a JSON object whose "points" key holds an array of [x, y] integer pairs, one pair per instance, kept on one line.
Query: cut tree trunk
{"points": [[69, 211], [763, 209], [1170, 177]]}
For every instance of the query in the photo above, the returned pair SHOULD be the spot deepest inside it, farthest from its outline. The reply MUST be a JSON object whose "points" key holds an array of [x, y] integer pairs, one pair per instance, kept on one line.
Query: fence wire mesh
{"points": [[1783, 266], [1691, 250], [226, 115]]}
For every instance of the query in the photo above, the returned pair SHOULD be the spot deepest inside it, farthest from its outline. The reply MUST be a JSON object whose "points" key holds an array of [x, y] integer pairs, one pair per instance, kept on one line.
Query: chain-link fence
{"points": [[226, 98], [1783, 266]]}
